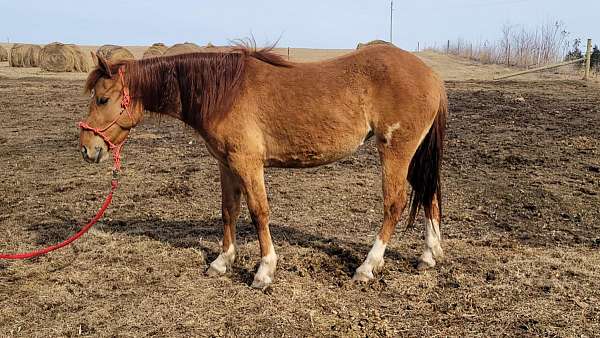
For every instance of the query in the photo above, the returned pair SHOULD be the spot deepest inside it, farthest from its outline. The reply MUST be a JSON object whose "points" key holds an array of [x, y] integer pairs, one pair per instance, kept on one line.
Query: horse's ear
{"points": [[102, 64]]}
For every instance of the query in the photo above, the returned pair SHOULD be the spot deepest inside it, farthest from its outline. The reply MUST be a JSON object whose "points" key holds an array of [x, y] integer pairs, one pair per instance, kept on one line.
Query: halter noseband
{"points": [[125, 107]]}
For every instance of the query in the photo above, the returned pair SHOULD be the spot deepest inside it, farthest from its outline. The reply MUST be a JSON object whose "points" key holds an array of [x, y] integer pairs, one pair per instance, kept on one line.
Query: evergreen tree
{"points": [[596, 59], [575, 53]]}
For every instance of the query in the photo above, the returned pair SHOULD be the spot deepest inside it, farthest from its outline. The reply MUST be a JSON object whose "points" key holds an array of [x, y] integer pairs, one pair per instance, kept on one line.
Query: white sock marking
{"points": [[432, 242], [374, 259], [266, 270], [224, 260]]}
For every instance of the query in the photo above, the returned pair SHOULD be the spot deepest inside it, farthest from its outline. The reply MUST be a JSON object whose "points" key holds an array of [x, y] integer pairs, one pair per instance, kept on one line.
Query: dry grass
{"points": [[182, 48], [156, 50], [140, 286], [24, 55], [3, 54], [58, 57], [113, 53]]}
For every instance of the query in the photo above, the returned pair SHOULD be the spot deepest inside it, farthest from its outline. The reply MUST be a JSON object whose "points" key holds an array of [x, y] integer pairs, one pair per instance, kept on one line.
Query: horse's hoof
{"points": [[438, 253], [261, 284], [213, 271], [423, 265], [362, 276]]}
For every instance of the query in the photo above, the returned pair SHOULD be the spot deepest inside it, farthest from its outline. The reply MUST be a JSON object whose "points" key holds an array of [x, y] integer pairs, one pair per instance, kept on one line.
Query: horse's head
{"points": [[111, 113]]}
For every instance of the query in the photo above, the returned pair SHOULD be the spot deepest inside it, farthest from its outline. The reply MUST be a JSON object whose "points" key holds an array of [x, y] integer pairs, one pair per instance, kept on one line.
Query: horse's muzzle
{"points": [[95, 155]]}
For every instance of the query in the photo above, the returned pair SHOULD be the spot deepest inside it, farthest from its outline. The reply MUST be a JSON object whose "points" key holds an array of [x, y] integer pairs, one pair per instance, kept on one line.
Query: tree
{"points": [[595, 62], [575, 53]]}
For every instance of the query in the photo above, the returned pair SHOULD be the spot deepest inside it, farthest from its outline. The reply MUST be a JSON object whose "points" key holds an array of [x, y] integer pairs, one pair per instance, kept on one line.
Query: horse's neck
{"points": [[198, 89], [161, 98]]}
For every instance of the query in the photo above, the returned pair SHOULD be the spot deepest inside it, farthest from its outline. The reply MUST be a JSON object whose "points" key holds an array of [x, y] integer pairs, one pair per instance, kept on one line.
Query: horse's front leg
{"points": [[251, 173], [231, 190]]}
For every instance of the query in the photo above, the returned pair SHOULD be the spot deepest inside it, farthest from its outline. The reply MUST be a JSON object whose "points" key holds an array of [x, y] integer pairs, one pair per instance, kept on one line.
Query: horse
{"points": [[255, 109]]}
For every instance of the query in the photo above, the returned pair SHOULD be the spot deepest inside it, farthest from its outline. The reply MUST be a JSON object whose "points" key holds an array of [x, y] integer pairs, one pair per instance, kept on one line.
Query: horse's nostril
{"points": [[98, 154], [84, 151]]}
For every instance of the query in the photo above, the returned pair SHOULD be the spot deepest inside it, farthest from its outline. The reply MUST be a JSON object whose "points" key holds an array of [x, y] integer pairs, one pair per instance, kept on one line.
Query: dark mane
{"points": [[196, 86]]}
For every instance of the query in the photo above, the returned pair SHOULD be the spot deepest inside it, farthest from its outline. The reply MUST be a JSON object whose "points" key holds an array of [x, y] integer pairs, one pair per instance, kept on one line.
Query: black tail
{"points": [[424, 169]]}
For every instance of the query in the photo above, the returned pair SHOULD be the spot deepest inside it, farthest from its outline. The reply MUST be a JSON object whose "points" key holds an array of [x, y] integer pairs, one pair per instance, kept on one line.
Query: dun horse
{"points": [[255, 110]]}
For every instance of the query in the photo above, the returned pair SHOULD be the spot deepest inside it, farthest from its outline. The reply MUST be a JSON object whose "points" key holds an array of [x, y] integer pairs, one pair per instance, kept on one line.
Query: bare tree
{"points": [[517, 46]]}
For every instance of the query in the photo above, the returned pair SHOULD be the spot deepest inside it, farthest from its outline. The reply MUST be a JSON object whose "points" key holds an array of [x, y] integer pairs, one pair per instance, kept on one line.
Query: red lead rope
{"points": [[116, 148], [99, 214]]}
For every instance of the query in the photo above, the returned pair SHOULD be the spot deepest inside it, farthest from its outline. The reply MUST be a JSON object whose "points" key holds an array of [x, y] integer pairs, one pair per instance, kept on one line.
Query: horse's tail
{"points": [[424, 168]]}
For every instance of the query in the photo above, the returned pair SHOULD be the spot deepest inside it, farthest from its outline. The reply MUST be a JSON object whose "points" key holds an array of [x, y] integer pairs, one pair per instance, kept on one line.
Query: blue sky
{"points": [[304, 23]]}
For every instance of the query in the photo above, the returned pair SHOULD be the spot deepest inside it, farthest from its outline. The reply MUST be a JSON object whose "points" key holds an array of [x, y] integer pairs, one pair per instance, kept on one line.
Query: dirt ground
{"points": [[521, 231]]}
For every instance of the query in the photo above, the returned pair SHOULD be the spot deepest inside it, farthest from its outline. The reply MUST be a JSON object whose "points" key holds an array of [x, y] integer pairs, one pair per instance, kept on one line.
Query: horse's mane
{"points": [[197, 86]]}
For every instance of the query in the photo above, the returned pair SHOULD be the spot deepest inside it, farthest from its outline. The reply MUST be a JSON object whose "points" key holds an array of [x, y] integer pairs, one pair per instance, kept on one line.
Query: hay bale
{"points": [[183, 48], [59, 57], [374, 42], [3, 54], [112, 53], [25, 55], [156, 50]]}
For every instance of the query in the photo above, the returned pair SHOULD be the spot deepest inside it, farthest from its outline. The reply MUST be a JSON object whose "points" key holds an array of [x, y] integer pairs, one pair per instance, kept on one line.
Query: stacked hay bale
{"points": [[370, 43], [183, 48], [112, 53], [3, 54], [156, 50], [25, 55], [59, 57]]}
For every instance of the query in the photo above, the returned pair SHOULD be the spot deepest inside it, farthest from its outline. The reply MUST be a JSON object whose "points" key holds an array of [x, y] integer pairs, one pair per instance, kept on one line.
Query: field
{"points": [[521, 229]]}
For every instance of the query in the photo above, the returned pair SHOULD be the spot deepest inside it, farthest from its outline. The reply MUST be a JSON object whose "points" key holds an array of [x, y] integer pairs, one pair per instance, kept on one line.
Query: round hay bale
{"points": [[156, 50], [59, 57], [3, 54], [112, 53], [370, 43], [25, 55], [183, 48]]}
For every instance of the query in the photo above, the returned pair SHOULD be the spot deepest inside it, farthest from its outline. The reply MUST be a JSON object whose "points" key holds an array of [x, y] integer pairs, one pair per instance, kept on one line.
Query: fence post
{"points": [[448, 47], [588, 59], [288, 53]]}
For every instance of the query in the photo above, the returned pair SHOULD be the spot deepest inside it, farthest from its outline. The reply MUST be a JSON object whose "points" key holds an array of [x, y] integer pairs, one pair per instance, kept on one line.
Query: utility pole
{"points": [[391, 19]]}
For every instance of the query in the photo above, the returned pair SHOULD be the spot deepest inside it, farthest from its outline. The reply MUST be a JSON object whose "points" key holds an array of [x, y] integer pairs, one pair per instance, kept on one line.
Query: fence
{"points": [[587, 59]]}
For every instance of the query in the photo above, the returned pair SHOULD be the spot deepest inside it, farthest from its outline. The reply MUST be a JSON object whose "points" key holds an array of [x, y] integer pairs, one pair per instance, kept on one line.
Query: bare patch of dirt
{"points": [[521, 232]]}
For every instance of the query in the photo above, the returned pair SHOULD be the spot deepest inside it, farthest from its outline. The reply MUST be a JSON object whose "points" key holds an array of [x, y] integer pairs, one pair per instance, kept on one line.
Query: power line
{"points": [[391, 19]]}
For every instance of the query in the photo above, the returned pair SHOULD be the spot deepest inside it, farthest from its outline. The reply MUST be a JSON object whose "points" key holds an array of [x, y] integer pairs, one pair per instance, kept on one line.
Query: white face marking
{"points": [[389, 133], [373, 261], [224, 260], [266, 271]]}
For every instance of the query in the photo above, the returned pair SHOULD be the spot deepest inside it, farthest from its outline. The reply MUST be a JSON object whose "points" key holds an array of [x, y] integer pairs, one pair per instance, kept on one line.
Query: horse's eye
{"points": [[101, 100]]}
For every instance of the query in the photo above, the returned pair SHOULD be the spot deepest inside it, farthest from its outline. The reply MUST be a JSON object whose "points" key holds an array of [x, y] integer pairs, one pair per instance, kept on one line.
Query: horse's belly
{"points": [[313, 155], [304, 160]]}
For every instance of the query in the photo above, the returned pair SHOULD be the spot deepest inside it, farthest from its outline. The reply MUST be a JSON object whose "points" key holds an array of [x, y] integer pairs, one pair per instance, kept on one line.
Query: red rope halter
{"points": [[116, 148], [125, 107]]}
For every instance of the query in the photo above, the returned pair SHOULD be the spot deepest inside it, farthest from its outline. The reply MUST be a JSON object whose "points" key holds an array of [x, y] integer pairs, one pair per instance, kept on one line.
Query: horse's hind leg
{"points": [[433, 248], [231, 191], [394, 163]]}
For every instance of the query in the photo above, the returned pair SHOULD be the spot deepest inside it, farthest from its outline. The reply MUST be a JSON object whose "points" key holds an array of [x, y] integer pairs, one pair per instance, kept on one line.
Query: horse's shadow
{"points": [[204, 234]]}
